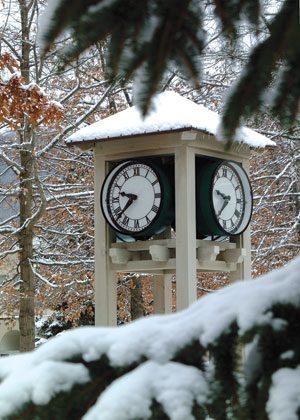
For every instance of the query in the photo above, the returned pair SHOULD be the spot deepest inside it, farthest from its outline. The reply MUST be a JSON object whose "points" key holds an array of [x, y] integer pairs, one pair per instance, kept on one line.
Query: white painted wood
{"points": [[145, 245], [162, 293], [234, 255], [169, 243], [150, 266], [145, 266], [208, 266], [157, 256], [119, 255], [105, 278], [208, 253], [222, 244], [159, 253], [185, 209], [158, 144], [243, 271], [189, 135]]}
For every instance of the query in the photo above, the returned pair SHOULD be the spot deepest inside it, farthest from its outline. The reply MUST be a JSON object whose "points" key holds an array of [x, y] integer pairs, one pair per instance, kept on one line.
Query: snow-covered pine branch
{"points": [[181, 366]]}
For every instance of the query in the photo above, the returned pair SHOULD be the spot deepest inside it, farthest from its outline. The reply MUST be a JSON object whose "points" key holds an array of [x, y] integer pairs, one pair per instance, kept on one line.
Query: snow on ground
{"points": [[38, 375], [170, 111]]}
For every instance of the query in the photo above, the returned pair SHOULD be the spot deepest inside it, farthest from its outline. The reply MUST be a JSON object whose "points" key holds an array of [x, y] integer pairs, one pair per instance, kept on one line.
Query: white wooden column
{"points": [[162, 293], [185, 208], [105, 279], [243, 271]]}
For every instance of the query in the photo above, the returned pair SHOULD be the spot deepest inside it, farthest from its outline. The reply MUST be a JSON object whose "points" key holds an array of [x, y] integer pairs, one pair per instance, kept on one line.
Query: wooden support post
{"points": [[243, 268], [105, 279], [185, 209], [162, 292], [243, 271]]}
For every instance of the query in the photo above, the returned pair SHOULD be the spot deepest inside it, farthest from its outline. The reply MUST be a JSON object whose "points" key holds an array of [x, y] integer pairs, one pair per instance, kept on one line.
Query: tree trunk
{"points": [[26, 316], [27, 306]]}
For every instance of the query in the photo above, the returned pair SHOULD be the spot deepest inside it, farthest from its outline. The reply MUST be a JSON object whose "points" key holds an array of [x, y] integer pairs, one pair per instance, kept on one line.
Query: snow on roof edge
{"points": [[150, 133], [170, 112]]}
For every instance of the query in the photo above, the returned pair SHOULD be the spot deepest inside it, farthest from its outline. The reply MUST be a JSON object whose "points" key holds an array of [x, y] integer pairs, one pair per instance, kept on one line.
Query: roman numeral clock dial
{"points": [[136, 199], [226, 188]]}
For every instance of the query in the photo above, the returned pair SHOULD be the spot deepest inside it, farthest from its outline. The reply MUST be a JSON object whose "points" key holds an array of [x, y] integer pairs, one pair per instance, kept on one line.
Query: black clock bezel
{"points": [[150, 229], [230, 163]]}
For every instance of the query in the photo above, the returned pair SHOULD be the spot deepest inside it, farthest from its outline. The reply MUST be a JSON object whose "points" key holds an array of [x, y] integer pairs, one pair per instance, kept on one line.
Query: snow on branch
{"points": [[174, 385], [154, 367], [68, 263], [4, 254], [57, 138], [52, 285]]}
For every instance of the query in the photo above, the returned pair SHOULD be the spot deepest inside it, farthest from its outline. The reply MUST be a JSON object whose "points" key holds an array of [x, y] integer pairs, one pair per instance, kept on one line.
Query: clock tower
{"points": [[168, 200]]}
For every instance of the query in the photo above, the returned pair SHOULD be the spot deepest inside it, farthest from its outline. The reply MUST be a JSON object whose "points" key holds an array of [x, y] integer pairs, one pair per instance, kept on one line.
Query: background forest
{"points": [[46, 190]]}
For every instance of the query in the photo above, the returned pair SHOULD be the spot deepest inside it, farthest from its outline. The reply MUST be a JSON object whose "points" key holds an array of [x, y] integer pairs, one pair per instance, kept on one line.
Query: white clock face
{"points": [[132, 197], [231, 198]]}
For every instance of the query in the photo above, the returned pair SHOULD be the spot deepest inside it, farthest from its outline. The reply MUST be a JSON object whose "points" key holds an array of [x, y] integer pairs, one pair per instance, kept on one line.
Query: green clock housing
{"points": [[223, 198], [137, 199]]}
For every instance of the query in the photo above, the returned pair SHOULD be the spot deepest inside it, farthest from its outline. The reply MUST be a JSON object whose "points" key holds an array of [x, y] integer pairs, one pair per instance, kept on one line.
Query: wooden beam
{"points": [[145, 266], [119, 255], [159, 253], [208, 253], [233, 255], [208, 266]]}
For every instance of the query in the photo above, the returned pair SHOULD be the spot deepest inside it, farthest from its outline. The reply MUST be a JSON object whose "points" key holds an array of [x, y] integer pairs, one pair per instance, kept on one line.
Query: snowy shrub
{"points": [[157, 368]]}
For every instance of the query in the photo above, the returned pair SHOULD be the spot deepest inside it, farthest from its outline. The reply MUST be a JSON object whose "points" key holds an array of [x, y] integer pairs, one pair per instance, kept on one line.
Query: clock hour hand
{"points": [[226, 197], [128, 195]]}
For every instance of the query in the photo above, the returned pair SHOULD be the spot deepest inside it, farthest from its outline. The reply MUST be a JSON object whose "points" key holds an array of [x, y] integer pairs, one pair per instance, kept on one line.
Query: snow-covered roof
{"points": [[170, 112]]}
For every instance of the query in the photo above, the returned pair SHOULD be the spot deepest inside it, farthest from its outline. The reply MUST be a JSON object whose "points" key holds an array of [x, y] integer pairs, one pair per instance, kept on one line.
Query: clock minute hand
{"points": [[226, 201], [129, 202]]}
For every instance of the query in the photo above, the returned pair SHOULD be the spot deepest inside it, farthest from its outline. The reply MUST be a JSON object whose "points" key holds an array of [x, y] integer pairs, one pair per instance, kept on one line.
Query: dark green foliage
{"points": [[234, 394], [66, 405], [58, 321], [159, 364], [275, 62], [230, 13], [192, 354], [149, 34], [158, 412], [52, 327], [155, 36], [224, 355], [271, 344]]}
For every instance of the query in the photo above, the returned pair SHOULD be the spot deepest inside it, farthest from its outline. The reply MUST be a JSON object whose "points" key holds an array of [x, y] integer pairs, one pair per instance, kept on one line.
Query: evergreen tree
{"points": [[157, 367], [150, 37]]}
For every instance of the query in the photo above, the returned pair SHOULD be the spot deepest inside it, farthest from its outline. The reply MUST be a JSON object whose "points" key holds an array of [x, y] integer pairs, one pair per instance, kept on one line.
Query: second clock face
{"points": [[231, 198], [132, 197], [228, 198]]}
